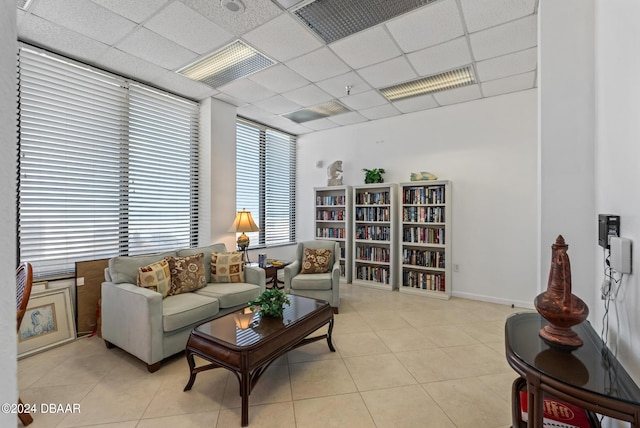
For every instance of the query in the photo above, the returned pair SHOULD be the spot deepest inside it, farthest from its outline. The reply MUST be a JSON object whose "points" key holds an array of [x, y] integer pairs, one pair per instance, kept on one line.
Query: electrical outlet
{"points": [[605, 290], [456, 268]]}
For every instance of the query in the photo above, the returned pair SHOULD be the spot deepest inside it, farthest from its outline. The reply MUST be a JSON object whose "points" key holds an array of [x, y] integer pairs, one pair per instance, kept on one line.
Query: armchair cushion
{"points": [[316, 260], [187, 273], [312, 281], [227, 267], [156, 277]]}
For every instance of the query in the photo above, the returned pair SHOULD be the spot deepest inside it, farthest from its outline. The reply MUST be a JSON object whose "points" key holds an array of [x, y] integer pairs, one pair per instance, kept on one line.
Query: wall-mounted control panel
{"points": [[608, 226], [620, 254]]}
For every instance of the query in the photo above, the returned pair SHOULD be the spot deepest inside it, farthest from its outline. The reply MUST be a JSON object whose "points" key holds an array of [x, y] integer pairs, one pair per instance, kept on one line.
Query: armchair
{"points": [[323, 286]]}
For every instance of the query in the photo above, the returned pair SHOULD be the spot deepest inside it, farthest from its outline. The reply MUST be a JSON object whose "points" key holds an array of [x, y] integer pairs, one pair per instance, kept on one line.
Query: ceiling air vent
{"points": [[430, 84], [334, 19], [319, 111], [232, 62]]}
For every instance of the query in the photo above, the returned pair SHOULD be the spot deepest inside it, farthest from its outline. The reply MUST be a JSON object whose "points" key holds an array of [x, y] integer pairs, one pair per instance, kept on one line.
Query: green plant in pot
{"points": [[271, 303], [373, 175]]}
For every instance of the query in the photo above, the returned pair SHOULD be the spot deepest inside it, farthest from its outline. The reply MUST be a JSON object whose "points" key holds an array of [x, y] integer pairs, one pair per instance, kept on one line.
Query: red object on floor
{"points": [[557, 414]]}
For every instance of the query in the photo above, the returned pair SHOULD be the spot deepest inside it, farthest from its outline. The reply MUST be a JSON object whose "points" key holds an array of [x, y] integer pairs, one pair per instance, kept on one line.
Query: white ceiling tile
{"points": [[20, 16], [282, 38], [256, 13], [511, 37], [188, 28], [137, 11], [278, 121], [179, 84], [337, 86], [246, 90], [505, 85], [458, 95], [250, 110], [409, 105], [87, 18], [443, 57], [279, 78], [40, 32], [308, 96], [366, 48], [380, 112], [129, 65], [388, 73], [318, 65], [320, 124], [277, 105], [294, 128], [230, 100], [507, 65], [481, 14], [428, 26], [156, 49], [364, 100], [348, 118]]}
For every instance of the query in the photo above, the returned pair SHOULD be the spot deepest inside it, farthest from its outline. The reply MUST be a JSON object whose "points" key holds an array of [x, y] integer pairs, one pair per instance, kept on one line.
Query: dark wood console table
{"points": [[589, 377]]}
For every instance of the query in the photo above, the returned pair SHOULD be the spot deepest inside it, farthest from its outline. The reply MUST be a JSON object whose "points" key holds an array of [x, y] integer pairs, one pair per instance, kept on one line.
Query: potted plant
{"points": [[373, 175], [271, 303]]}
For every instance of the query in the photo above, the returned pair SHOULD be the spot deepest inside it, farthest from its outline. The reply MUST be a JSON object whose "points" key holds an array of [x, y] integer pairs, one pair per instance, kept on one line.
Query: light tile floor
{"points": [[401, 361]]}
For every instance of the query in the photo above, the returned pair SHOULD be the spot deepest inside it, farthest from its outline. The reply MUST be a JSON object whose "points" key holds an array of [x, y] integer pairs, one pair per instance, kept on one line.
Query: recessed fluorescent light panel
{"points": [[334, 19], [233, 62], [428, 85], [319, 111]]}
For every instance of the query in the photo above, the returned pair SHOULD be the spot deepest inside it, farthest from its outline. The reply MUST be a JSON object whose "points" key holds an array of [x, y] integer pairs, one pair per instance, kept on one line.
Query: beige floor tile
{"points": [[405, 339], [273, 387], [384, 320], [355, 344], [485, 358], [406, 407], [279, 415], [378, 371], [339, 411], [312, 352], [433, 365], [57, 395], [349, 323], [191, 420], [447, 335], [320, 378], [485, 331], [79, 369]]}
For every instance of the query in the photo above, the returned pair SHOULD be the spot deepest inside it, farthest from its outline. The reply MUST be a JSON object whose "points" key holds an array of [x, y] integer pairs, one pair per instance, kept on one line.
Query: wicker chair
{"points": [[24, 280]]}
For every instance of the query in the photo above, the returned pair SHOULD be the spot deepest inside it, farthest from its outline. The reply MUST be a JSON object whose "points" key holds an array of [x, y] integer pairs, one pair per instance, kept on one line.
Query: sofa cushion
{"points": [[231, 294], [156, 277], [227, 267], [312, 281], [316, 260], [187, 273], [124, 269], [182, 310], [206, 259]]}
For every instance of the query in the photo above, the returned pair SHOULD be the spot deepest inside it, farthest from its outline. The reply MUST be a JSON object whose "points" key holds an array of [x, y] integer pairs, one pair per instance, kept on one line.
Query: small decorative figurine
{"points": [[557, 305], [334, 172], [423, 175]]}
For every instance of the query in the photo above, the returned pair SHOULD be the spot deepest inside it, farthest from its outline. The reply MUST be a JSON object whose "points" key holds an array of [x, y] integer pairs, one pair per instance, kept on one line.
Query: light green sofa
{"points": [[141, 322]]}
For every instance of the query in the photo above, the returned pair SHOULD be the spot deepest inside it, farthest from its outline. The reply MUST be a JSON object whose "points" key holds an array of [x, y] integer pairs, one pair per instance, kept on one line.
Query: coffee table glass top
{"points": [[245, 328]]}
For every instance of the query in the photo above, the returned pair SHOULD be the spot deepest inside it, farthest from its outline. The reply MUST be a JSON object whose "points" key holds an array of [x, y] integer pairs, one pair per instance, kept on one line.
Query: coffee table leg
{"points": [[192, 366], [244, 393], [329, 336]]}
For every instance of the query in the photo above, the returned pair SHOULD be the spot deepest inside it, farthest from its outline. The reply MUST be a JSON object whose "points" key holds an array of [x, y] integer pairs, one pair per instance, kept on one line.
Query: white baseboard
{"points": [[491, 299]]}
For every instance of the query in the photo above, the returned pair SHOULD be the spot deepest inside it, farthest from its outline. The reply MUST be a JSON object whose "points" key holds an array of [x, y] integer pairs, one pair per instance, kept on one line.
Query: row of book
{"points": [[330, 232], [423, 195], [423, 258], [423, 214], [373, 198], [423, 280], [373, 214], [423, 235], [331, 200], [373, 254], [372, 273], [330, 215], [373, 233]]}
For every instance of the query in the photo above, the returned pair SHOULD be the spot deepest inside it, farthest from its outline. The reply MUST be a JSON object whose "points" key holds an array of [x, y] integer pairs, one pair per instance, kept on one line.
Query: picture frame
{"points": [[48, 322]]}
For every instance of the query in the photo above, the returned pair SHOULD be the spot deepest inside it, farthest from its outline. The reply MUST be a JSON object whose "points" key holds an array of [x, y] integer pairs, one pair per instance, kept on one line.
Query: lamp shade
{"points": [[244, 223]]}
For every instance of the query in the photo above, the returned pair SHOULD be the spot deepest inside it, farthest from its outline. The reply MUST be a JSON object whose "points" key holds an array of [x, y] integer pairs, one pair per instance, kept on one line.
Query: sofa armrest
{"points": [[255, 275], [290, 270], [132, 320]]}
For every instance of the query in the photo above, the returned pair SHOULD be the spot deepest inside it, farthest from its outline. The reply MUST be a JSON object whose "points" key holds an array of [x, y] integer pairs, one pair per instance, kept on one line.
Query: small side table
{"points": [[271, 273]]}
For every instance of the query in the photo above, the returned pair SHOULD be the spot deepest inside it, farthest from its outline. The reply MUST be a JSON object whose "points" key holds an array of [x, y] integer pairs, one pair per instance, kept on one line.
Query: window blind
{"points": [[265, 181], [105, 166]]}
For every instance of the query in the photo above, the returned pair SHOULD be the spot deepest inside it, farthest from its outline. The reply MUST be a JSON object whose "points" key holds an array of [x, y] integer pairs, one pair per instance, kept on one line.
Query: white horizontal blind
{"points": [[77, 163], [265, 181]]}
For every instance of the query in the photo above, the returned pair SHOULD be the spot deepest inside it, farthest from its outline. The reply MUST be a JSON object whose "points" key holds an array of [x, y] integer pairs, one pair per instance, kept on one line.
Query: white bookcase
{"points": [[425, 238], [374, 244], [333, 222]]}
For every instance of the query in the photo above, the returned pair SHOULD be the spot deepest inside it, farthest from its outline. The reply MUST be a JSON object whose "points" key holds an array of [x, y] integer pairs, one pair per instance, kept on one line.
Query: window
{"points": [[265, 182], [106, 166]]}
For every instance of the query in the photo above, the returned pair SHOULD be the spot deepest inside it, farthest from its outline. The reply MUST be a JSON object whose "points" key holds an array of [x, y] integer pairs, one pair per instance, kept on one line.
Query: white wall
{"points": [[618, 160], [487, 148], [8, 388]]}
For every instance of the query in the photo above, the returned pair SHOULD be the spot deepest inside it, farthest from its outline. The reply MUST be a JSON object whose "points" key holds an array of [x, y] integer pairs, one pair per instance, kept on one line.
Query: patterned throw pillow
{"points": [[316, 260], [187, 273], [227, 267], [156, 277]]}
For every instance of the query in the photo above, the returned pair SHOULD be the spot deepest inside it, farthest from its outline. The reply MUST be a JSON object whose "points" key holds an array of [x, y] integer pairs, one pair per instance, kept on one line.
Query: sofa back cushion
{"points": [[124, 269], [206, 259]]}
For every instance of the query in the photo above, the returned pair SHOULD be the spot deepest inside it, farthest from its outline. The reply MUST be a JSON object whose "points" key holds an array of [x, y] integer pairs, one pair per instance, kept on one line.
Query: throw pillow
{"points": [[187, 273], [156, 277], [316, 260], [227, 267]]}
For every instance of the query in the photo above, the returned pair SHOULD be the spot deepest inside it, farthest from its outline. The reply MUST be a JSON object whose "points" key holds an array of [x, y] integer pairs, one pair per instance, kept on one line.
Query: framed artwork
{"points": [[48, 322]]}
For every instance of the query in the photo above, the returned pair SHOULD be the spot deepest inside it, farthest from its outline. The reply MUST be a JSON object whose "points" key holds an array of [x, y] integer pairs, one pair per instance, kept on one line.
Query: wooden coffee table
{"points": [[248, 352]]}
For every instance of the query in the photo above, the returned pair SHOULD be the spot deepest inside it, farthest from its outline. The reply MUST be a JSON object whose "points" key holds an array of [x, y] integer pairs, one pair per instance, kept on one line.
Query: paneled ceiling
{"points": [[149, 40]]}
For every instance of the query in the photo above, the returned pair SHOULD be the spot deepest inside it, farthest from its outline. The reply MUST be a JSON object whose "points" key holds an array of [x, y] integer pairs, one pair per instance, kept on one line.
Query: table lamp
{"points": [[244, 223]]}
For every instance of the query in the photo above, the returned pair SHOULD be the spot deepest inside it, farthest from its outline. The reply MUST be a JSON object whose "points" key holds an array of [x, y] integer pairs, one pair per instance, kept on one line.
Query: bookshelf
{"points": [[425, 238], [374, 245], [333, 222]]}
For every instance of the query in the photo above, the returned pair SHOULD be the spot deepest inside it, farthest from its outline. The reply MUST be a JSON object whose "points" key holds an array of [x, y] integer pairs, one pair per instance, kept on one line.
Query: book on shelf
{"points": [[557, 414]]}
